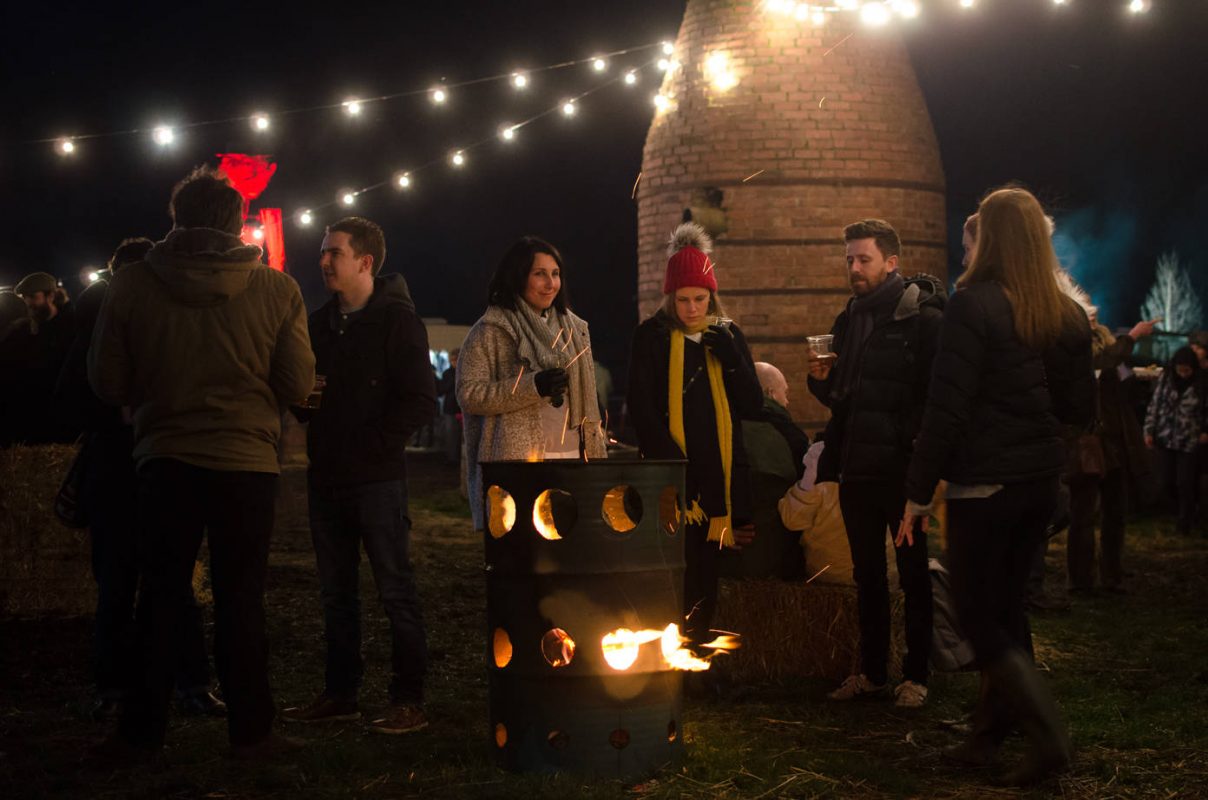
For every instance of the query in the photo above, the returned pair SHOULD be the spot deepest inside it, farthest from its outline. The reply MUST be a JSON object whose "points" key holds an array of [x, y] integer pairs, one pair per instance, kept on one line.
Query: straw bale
{"points": [[45, 567], [793, 630]]}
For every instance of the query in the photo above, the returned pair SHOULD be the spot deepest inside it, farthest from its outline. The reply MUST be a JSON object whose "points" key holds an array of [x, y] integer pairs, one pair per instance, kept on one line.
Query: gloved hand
{"points": [[552, 383], [721, 344]]}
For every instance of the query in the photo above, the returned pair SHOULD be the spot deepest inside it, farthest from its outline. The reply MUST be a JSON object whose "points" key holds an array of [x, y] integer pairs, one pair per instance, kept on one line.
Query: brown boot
{"points": [[1038, 718]]}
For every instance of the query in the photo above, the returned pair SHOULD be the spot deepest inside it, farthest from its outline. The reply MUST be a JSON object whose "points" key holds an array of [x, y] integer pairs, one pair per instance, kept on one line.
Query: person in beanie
{"points": [[885, 340], [371, 351], [691, 383], [206, 346], [525, 380]]}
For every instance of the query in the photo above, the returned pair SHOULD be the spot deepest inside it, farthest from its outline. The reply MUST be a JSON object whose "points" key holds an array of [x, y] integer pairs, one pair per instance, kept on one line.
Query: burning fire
{"points": [[621, 648], [543, 514], [501, 511]]}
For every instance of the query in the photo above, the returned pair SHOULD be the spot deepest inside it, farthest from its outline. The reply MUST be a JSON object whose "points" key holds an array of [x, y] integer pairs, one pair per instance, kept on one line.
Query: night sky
{"points": [[1087, 105]]}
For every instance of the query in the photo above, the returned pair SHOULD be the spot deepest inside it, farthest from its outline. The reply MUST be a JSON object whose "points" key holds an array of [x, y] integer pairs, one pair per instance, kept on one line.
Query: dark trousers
{"points": [[1179, 475], [177, 504], [872, 510], [701, 560], [341, 519], [110, 496], [1087, 495], [991, 542]]}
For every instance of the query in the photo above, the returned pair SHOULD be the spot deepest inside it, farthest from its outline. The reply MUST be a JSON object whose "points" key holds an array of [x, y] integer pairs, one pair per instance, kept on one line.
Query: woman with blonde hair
{"points": [[1013, 365]]}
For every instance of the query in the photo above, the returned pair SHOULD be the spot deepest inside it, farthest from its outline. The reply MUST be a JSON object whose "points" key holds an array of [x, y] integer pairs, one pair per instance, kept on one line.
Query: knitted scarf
{"points": [[539, 347], [719, 527]]}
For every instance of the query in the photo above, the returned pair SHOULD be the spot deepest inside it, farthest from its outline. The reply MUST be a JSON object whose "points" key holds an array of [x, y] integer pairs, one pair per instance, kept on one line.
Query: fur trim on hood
{"points": [[689, 235], [1072, 290]]}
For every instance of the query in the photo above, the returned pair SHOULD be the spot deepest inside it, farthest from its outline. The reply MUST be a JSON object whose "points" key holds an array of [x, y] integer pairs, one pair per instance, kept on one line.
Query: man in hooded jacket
{"points": [[206, 347]]}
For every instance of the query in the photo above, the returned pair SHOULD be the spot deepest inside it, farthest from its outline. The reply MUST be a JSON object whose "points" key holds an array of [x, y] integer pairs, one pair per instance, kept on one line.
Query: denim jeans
{"points": [[178, 503], [341, 519]]}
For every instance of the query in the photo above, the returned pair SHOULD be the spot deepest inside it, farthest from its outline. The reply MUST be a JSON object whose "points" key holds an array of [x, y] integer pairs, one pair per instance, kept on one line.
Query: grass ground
{"points": [[1131, 673]]}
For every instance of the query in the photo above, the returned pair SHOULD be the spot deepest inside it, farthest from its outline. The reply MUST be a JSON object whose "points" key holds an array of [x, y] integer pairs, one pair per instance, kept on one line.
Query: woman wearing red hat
{"points": [[691, 380]]}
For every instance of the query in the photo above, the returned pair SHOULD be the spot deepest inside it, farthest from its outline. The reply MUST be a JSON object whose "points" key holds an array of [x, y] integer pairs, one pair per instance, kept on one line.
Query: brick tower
{"points": [[777, 133]]}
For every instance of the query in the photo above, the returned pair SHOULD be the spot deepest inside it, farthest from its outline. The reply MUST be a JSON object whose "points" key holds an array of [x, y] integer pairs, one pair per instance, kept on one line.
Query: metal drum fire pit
{"points": [[585, 566]]}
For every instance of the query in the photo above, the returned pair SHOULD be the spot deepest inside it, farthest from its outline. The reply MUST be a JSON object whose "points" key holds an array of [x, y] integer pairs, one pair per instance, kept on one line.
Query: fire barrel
{"points": [[584, 566]]}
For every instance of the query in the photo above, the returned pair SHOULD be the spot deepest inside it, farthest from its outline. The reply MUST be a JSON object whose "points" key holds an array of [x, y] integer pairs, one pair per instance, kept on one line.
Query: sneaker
{"points": [[267, 749], [324, 708], [400, 719], [857, 686], [200, 704], [909, 694]]}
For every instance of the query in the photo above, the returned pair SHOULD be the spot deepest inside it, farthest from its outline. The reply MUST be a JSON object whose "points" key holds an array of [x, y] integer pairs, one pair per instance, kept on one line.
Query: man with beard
{"points": [[885, 341], [32, 356]]}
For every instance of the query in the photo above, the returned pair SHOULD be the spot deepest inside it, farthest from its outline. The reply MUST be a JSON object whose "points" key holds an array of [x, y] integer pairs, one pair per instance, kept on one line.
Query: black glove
{"points": [[720, 342], [552, 383]]}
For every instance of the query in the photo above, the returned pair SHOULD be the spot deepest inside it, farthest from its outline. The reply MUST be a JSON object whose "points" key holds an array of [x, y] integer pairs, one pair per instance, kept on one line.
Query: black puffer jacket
{"points": [[995, 408], [380, 388], [874, 426]]}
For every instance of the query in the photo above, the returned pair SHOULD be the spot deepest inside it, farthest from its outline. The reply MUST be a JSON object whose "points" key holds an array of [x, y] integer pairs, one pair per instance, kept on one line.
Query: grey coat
{"points": [[501, 416]]}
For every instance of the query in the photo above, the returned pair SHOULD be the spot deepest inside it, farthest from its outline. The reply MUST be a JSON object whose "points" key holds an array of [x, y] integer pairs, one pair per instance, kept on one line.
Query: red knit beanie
{"points": [[689, 263]]}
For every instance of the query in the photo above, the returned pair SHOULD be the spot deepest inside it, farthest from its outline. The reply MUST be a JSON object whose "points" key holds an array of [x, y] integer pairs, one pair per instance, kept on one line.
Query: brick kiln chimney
{"points": [[825, 125]]}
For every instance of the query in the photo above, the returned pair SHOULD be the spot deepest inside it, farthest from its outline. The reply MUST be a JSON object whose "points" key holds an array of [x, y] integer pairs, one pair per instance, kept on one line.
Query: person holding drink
{"points": [[691, 382], [872, 374]]}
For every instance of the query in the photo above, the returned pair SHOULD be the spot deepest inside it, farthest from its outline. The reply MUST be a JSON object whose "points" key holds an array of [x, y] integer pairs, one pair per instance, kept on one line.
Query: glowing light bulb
{"points": [[257, 233], [1138, 6], [352, 107], [519, 80], [661, 102], [94, 276], [668, 48], [801, 12], [874, 14], [348, 198], [306, 218], [818, 18], [507, 132], [439, 96], [65, 147], [966, 3], [569, 108], [599, 64], [1059, 2], [458, 158], [909, 9], [403, 180], [163, 135], [631, 78], [260, 122], [664, 64]]}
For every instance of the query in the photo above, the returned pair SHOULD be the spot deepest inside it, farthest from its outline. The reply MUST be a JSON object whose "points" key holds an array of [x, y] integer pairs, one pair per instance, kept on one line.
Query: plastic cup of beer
{"points": [[724, 322], [820, 347]]}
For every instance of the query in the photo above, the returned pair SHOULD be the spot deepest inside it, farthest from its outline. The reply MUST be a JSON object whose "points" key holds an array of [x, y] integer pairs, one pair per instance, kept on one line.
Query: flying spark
{"points": [[576, 358], [753, 174], [517, 383], [819, 572]]}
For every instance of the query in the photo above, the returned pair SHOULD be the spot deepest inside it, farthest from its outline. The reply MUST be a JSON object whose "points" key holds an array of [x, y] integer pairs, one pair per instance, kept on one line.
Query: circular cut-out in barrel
{"points": [[554, 514], [672, 731], [501, 734], [501, 511], [557, 647], [669, 510], [622, 508], [619, 738], [558, 739], [501, 645]]}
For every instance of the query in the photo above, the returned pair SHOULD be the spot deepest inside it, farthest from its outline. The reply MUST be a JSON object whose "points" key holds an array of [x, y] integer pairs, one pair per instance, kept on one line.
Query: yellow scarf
{"points": [[719, 527]]}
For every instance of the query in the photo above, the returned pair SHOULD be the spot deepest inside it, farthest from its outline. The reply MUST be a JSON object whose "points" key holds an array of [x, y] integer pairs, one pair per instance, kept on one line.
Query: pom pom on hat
{"points": [[688, 262]]}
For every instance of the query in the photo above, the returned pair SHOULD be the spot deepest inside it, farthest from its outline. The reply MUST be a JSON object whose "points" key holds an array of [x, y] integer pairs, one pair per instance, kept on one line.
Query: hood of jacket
{"points": [[920, 291], [203, 266], [389, 290]]}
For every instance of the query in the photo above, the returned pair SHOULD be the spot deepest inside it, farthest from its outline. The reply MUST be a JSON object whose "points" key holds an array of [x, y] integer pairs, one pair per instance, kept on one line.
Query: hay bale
{"points": [[44, 566], [795, 630]]}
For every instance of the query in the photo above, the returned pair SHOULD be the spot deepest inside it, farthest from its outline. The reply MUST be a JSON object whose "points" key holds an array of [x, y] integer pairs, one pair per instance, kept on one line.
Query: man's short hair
{"points": [[365, 237], [206, 199], [880, 231]]}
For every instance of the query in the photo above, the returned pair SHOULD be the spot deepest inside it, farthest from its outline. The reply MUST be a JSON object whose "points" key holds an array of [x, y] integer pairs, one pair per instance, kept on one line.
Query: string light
{"points": [[348, 198], [966, 3], [260, 122], [909, 9], [668, 48], [631, 77], [94, 276], [458, 158], [163, 135], [507, 132], [352, 107], [305, 217], [874, 14], [65, 147], [717, 71], [661, 102], [257, 233], [1138, 6], [569, 108], [664, 65], [1059, 2], [439, 96], [599, 64], [818, 18], [403, 180], [520, 80]]}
